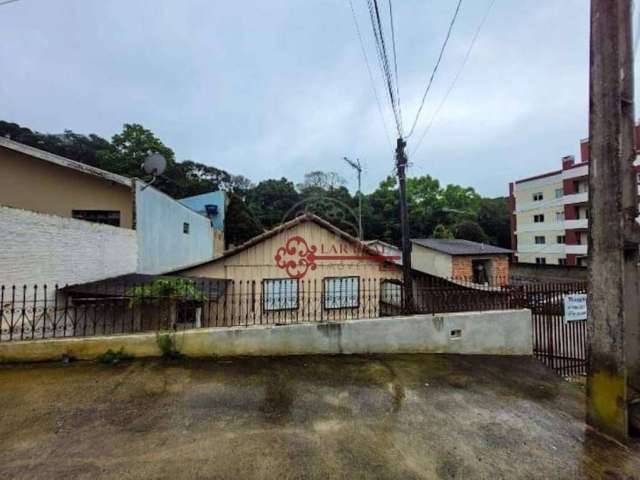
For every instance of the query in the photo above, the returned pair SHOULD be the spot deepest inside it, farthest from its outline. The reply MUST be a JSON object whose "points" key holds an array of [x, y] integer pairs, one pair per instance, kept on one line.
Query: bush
{"points": [[167, 345]]}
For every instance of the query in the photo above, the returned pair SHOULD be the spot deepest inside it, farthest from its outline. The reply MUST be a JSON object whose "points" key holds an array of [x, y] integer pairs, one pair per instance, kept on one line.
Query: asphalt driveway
{"points": [[402, 416]]}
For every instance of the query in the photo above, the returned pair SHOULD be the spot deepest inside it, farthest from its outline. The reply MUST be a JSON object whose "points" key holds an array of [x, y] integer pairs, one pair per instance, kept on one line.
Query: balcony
{"points": [[576, 249], [581, 223], [582, 197]]}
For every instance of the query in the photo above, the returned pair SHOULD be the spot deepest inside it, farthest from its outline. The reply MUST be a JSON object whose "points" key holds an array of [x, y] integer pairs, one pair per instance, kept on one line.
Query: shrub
{"points": [[167, 345], [113, 358]]}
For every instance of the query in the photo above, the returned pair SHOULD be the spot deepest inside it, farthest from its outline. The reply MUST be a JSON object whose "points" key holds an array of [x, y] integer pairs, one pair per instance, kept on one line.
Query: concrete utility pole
{"points": [[614, 295], [401, 165], [358, 168]]}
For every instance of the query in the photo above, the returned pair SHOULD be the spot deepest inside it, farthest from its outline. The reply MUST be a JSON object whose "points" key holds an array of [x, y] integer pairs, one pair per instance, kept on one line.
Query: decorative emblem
{"points": [[296, 257]]}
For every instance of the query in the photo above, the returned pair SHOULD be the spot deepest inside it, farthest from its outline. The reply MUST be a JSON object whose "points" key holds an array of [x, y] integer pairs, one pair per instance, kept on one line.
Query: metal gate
{"points": [[559, 344]]}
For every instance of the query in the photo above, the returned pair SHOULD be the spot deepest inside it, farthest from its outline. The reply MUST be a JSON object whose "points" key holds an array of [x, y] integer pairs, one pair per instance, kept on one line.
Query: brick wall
{"points": [[46, 249], [462, 267]]}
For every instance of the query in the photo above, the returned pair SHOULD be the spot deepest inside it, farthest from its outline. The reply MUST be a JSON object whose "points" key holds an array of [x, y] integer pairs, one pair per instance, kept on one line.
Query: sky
{"points": [[280, 88]]}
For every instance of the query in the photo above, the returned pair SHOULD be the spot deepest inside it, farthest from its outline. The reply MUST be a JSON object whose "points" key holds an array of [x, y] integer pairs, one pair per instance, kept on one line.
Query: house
{"points": [[474, 262], [212, 205], [66, 222], [386, 249], [305, 268]]}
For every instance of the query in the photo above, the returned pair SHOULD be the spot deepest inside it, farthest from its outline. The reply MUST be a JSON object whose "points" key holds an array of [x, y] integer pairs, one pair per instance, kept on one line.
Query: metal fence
{"points": [[560, 344], [37, 312]]}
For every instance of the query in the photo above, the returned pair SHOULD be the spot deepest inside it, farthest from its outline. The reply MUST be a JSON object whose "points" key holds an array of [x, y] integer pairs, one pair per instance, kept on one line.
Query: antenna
{"points": [[155, 164], [358, 168]]}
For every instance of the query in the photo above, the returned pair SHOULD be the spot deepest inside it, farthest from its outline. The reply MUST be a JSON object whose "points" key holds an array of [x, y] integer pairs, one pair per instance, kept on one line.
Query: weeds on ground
{"points": [[167, 345], [114, 358]]}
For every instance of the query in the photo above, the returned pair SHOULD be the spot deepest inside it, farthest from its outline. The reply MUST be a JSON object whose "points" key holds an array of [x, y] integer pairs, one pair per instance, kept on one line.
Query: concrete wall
{"points": [[493, 333], [162, 245], [42, 249], [431, 262], [34, 184]]}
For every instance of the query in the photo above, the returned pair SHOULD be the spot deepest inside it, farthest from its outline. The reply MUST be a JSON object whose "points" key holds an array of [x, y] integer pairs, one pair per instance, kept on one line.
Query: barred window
{"points": [[279, 294], [341, 292]]}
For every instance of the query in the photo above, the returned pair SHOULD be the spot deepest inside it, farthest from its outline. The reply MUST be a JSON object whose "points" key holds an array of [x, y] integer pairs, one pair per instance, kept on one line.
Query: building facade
{"points": [[550, 213], [66, 222]]}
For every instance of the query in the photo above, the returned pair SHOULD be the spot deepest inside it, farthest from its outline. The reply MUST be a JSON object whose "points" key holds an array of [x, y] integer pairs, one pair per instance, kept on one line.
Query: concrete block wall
{"points": [[37, 248]]}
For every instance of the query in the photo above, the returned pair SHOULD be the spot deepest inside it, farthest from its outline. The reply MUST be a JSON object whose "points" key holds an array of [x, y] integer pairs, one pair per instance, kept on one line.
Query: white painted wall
{"points": [[430, 261], [37, 248], [162, 245]]}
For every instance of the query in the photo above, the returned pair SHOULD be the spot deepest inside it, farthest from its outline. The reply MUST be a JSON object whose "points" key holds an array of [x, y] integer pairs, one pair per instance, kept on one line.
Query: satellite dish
{"points": [[155, 164]]}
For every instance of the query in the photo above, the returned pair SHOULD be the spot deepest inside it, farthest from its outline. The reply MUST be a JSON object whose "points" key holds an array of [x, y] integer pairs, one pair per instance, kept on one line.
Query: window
{"points": [[185, 227], [538, 218], [341, 292], [391, 293], [107, 217], [537, 196], [559, 192], [540, 240], [562, 261], [560, 239], [559, 216], [279, 294], [541, 261]]}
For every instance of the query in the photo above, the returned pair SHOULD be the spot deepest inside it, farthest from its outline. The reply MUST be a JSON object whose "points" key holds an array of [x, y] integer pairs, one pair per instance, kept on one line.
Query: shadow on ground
{"points": [[398, 416]]}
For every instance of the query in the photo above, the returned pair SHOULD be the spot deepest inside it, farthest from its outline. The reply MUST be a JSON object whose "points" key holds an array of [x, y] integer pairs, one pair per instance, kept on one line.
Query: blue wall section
{"points": [[198, 202], [162, 245]]}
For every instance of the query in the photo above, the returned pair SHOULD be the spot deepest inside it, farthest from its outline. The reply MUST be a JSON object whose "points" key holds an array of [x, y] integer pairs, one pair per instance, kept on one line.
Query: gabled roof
{"points": [[63, 162], [306, 217], [460, 247]]}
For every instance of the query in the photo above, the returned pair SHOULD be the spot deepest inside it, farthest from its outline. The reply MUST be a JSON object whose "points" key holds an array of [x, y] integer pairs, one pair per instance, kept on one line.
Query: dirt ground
{"points": [[392, 417]]}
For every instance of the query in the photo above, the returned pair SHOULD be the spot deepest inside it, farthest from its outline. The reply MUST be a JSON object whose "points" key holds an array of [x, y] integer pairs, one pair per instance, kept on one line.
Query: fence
{"points": [[36, 312], [30, 313], [556, 342]]}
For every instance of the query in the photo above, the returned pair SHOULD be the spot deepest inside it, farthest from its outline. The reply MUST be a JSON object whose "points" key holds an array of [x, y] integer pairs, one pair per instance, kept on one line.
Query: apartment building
{"points": [[550, 213]]}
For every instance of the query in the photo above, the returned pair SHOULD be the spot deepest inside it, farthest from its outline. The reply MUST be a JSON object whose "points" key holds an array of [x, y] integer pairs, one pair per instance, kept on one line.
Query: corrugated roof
{"points": [[460, 247]]}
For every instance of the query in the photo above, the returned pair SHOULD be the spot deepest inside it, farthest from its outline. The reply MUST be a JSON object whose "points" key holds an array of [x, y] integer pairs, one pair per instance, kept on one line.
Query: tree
{"points": [[470, 230], [272, 201], [442, 232], [493, 217], [130, 149], [320, 179]]}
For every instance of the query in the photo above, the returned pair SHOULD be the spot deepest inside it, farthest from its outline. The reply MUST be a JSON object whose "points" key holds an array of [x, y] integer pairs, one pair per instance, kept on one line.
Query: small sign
{"points": [[575, 307]]}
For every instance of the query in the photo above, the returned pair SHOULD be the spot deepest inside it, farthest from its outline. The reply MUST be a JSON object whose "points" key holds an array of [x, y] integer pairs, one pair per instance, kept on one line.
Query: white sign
{"points": [[575, 307]]}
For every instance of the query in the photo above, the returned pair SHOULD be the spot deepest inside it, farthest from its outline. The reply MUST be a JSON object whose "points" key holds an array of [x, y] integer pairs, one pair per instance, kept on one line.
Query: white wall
{"points": [[162, 245], [431, 262], [37, 248]]}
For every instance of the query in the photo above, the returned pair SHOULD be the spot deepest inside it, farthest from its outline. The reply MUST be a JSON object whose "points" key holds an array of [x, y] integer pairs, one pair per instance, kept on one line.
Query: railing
{"points": [[38, 312]]}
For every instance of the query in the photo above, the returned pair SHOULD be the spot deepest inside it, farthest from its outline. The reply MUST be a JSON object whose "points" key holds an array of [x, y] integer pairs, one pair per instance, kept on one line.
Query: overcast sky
{"points": [[278, 88]]}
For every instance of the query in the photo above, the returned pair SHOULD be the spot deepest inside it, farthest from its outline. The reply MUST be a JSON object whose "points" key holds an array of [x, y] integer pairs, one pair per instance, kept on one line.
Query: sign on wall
{"points": [[575, 307]]}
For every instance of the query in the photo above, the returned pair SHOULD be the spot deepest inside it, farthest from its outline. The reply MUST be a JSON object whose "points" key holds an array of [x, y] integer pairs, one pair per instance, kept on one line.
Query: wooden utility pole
{"points": [[613, 303], [407, 280]]}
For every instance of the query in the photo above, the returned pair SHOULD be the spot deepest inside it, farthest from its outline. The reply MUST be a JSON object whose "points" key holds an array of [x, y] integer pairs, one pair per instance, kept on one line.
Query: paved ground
{"points": [[404, 417]]}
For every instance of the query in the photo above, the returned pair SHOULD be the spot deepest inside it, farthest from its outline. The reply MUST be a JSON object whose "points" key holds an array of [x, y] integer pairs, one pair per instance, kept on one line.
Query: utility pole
{"points": [[358, 167], [401, 165], [613, 305]]}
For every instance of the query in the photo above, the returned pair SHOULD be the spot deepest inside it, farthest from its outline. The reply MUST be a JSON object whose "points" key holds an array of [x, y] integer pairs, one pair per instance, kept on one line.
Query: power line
{"points": [[455, 79], [383, 59], [373, 83], [395, 58], [435, 68], [7, 1]]}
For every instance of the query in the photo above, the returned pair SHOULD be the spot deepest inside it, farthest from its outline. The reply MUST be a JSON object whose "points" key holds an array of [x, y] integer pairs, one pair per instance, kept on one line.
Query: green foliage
{"points": [[111, 357], [470, 230], [166, 288], [252, 209], [167, 344], [442, 232]]}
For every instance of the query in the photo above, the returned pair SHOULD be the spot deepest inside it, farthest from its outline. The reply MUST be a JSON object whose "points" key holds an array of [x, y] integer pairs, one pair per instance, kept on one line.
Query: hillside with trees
{"points": [[449, 211]]}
